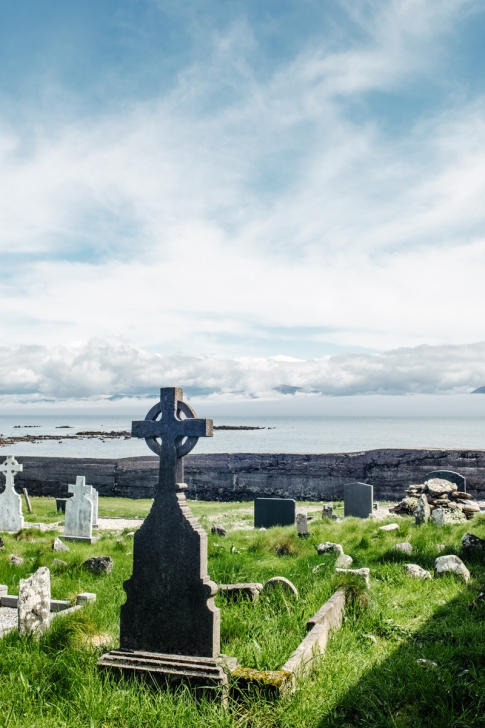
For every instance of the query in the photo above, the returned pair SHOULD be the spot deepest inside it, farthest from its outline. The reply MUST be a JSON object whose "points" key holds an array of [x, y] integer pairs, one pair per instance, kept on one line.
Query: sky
{"points": [[255, 200]]}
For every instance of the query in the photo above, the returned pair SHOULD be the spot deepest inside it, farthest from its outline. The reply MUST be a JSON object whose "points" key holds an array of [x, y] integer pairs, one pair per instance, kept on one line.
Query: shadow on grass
{"points": [[401, 692]]}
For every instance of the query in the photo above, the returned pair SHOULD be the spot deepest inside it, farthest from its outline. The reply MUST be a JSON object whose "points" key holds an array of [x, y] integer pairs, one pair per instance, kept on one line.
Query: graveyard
{"points": [[169, 611]]}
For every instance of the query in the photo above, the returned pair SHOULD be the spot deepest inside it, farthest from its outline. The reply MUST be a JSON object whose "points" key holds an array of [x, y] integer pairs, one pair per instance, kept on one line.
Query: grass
{"points": [[369, 675]]}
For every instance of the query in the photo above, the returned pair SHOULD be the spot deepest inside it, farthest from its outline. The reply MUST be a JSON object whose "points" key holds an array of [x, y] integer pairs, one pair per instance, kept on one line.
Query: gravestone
{"points": [[94, 498], [78, 525], [327, 510], [34, 602], [11, 519], [302, 525], [170, 626], [269, 512], [358, 499], [449, 475]]}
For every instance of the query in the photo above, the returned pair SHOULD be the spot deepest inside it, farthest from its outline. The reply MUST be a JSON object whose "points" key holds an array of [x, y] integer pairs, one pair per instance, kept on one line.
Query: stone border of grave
{"points": [[299, 665], [58, 607]]}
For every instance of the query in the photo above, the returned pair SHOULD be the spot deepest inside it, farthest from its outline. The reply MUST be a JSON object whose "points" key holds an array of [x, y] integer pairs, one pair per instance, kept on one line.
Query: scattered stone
{"points": [[57, 563], [218, 531], [427, 663], [343, 561], [59, 546], [283, 583], [329, 548], [2, 545], [422, 512], [460, 495], [405, 547], [327, 510], [470, 509], [441, 516], [437, 487], [363, 573], [389, 527], [370, 637], [337, 518], [416, 572], [130, 535], [34, 602], [85, 598], [451, 565], [99, 564], [406, 507], [440, 547], [16, 560], [472, 544], [250, 591]]}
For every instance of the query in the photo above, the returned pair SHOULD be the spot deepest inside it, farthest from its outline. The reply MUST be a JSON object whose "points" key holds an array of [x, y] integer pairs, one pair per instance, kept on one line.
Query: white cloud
{"points": [[103, 368], [187, 226]]}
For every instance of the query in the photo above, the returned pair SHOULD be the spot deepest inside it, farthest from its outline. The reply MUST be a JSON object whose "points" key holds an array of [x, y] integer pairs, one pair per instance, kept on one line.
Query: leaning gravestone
{"points": [[358, 500], [11, 519], [78, 525], [34, 602], [170, 626], [269, 512]]}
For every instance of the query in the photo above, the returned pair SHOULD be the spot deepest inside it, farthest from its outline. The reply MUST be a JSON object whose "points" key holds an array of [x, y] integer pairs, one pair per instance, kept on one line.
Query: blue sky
{"points": [[238, 181]]}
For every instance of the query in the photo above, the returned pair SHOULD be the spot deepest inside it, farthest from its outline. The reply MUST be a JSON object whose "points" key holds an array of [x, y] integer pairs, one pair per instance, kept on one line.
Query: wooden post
{"points": [[27, 500]]}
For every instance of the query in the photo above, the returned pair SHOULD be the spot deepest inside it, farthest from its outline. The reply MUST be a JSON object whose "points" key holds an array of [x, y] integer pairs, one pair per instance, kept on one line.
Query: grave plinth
{"points": [[170, 626]]}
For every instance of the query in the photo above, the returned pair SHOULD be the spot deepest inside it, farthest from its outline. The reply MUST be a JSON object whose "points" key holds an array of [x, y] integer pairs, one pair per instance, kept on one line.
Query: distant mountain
{"points": [[480, 390]]}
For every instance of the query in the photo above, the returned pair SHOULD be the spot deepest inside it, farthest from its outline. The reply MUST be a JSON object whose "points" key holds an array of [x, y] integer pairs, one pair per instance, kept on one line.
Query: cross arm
{"points": [[145, 428], [197, 428]]}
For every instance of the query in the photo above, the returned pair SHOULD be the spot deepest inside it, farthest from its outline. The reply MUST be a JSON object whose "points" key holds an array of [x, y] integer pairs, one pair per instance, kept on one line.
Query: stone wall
{"points": [[242, 476]]}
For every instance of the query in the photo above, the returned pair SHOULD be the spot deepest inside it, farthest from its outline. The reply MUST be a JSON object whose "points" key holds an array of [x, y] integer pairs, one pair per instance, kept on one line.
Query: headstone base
{"points": [[82, 539], [170, 671]]}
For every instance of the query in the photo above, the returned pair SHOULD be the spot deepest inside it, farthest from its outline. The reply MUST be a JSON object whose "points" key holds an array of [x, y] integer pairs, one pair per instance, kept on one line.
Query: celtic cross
{"points": [[176, 424]]}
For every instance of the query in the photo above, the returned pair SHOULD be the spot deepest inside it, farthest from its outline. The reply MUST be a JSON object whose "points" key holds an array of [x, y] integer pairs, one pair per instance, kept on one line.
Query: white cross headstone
{"points": [[78, 525], [11, 518]]}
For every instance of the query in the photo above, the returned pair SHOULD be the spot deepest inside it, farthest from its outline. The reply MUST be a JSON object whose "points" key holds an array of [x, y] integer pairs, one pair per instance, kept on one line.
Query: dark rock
{"points": [[472, 544], [218, 531], [2, 545], [99, 564]]}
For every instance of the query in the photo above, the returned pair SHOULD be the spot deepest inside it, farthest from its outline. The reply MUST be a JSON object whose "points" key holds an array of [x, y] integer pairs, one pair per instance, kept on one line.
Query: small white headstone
{"points": [[11, 518], [34, 603], [79, 511]]}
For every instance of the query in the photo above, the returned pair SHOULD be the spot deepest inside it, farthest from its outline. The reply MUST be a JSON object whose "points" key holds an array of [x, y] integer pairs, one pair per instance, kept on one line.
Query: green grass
{"points": [[368, 677]]}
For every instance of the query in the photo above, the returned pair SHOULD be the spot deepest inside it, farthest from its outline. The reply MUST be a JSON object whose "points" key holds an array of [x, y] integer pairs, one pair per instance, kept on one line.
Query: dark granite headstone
{"points": [[169, 610], [358, 499], [449, 475], [269, 512]]}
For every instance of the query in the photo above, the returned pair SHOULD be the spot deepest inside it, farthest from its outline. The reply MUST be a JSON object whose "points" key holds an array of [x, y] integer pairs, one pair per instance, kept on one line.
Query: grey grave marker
{"points": [[170, 626], [269, 512], [11, 519], [358, 499], [78, 525]]}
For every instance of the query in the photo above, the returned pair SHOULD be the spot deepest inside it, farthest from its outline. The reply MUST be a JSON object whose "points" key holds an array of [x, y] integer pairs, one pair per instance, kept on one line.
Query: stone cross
{"points": [[170, 598], [78, 525], [11, 518]]}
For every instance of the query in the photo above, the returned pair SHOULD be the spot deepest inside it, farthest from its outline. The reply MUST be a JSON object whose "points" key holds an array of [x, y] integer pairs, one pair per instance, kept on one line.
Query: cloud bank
{"points": [[113, 368]]}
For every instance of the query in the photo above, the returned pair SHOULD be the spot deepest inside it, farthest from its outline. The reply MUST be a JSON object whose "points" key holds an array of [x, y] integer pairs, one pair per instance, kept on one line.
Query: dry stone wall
{"points": [[243, 476]]}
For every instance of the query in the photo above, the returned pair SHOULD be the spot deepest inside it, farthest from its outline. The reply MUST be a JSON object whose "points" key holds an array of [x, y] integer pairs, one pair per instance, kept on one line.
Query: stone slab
{"points": [[33, 603], [449, 475], [331, 611], [358, 500], [81, 539], [269, 512]]}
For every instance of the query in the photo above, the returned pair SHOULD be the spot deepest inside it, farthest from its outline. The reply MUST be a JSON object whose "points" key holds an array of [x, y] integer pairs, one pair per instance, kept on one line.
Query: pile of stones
{"points": [[439, 494]]}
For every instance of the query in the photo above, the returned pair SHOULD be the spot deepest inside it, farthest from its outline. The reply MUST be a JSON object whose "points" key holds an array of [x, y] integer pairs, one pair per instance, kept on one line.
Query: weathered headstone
{"points": [[170, 626], [34, 602], [422, 512], [302, 525], [449, 475], [327, 510], [358, 499], [11, 519], [94, 498], [269, 512], [78, 525]]}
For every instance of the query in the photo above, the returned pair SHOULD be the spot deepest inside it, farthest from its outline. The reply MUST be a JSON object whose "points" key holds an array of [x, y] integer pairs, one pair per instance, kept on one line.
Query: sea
{"points": [[277, 434]]}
